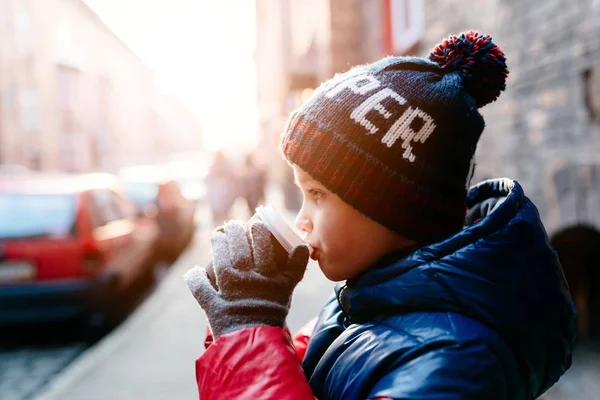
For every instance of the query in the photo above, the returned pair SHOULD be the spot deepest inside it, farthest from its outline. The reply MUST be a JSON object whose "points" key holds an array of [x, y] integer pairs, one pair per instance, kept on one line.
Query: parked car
{"points": [[174, 213], [70, 247]]}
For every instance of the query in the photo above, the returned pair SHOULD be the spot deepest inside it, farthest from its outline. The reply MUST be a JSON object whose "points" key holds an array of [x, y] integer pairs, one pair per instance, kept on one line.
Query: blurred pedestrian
{"points": [[221, 183], [431, 305], [254, 183]]}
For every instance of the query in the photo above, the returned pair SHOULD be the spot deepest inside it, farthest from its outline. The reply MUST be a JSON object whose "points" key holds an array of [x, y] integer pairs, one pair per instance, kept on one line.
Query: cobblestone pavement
{"points": [[24, 372]]}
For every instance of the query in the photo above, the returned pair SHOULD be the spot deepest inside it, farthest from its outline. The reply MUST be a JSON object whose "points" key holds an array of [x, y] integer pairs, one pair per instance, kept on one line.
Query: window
{"points": [[67, 87], [37, 215], [108, 206], [29, 110], [4, 13], [67, 152], [125, 209], [404, 23], [67, 80], [66, 50], [8, 97], [103, 208], [23, 31], [141, 193]]}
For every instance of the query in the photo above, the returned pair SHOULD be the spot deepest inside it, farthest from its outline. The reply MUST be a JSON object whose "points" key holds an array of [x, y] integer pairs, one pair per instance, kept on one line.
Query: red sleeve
{"points": [[208, 340], [252, 363], [302, 337]]}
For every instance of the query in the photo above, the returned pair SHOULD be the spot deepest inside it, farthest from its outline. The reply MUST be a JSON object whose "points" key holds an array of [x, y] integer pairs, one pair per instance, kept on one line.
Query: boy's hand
{"points": [[250, 288]]}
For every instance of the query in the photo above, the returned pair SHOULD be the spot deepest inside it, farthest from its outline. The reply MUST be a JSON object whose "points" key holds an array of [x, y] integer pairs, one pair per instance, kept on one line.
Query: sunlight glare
{"points": [[202, 53]]}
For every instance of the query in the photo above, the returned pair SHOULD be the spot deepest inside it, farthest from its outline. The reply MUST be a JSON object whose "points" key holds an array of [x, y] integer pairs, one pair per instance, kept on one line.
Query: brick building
{"points": [[544, 130], [73, 96]]}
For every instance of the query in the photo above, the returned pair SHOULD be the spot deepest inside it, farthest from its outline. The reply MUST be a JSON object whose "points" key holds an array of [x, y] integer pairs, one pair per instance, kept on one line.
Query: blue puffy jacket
{"points": [[485, 314]]}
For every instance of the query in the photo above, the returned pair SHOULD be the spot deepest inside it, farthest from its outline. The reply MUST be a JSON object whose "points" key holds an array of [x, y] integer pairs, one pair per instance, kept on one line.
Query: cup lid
{"points": [[279, 228]]}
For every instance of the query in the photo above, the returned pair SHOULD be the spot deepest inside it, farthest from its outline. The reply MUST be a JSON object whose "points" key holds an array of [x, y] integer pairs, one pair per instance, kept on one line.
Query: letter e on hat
{"points": [[374, 103], [359, 84]]}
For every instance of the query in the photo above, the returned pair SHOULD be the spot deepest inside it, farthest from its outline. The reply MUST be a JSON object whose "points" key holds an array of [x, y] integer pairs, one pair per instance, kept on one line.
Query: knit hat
{"points": [[396, 139]]}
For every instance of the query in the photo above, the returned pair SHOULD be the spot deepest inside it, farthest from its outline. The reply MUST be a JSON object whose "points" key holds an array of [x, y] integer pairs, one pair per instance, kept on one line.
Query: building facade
{"points": [[544, 130], [178, 129], [73, 96]]}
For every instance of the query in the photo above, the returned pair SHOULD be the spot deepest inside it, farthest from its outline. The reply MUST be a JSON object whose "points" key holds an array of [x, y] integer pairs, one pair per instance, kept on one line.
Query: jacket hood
{"points": [[499, 270]]}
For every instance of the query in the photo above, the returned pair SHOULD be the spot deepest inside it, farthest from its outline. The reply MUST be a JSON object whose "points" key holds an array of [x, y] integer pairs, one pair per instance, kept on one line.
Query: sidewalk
{"points": [[151, 356]]}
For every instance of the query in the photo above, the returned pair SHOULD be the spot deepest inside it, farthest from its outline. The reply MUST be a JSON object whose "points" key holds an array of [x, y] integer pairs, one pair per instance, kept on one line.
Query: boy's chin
{"points": [[330, 272]]}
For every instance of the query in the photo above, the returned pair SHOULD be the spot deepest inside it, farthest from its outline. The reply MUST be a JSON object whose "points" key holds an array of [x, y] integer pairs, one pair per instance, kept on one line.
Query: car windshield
{"points": [[141, 193], [36, 215]]}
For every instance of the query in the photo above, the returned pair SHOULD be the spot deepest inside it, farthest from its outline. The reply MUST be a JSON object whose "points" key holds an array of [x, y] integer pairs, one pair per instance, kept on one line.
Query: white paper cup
{"points": [[285, 239]]}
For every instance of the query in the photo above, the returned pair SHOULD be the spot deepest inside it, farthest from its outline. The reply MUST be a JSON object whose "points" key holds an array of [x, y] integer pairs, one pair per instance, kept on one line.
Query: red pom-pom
{"points": [[480, 62]]}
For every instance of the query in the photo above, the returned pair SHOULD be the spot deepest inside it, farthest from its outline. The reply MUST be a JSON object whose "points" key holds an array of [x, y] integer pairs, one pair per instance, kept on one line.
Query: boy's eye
{"points": [[315, 194]]}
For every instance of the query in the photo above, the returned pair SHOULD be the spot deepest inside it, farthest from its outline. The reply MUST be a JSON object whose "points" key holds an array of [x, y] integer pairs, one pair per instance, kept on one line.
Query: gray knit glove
{"points": [[250, 288]]}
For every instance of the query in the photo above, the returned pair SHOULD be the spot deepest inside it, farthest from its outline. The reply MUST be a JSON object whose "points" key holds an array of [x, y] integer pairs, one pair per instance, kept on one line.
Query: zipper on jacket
{"points": [[347, 321]]}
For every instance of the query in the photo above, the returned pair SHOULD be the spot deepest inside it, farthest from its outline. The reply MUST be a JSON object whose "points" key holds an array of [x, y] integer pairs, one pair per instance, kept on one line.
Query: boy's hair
{"points": [[396, 139]]}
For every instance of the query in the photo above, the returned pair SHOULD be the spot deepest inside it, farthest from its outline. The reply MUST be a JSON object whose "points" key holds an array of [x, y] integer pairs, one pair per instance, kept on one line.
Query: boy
{"points": [[435, 304]]}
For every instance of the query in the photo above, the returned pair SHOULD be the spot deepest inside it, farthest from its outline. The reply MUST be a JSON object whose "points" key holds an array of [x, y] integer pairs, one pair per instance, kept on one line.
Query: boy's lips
{"points": [[314, 253]]}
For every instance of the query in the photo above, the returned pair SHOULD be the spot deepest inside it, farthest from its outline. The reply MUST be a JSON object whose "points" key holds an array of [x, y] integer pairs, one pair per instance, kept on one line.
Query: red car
{"points": [[69, 247]]}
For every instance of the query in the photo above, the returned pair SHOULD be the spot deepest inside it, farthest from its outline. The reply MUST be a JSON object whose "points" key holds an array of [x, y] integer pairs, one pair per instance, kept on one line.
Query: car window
{"points": [[124, 208], [37, 215], [141, 193], [103, 207]]}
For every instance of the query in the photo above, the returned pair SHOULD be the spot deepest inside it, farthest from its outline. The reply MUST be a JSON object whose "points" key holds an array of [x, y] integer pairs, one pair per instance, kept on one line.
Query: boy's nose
{"points": [[303, 223]]}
